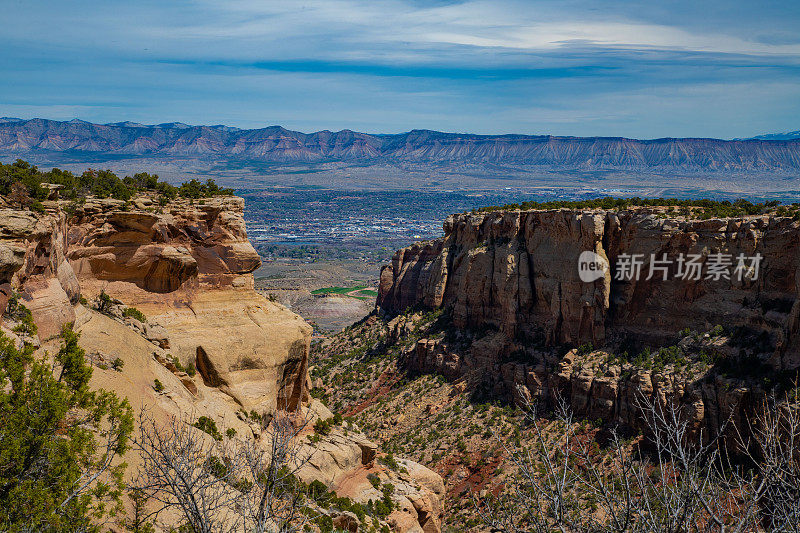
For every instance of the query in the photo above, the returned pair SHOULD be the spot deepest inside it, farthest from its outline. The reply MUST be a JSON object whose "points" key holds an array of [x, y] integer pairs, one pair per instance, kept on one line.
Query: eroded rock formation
{"points": [[520, 323], [517, 272], [162, 249], [187, 266]]}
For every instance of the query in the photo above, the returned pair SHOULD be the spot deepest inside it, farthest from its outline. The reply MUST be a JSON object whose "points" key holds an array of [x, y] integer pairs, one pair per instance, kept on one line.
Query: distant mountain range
{"points": [[766, 153], [787, 136]]}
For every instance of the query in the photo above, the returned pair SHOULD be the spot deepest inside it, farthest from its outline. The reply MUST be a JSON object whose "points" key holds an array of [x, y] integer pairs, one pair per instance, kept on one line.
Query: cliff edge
{"points": [[158, 289], [517, 272], [187, 265]]}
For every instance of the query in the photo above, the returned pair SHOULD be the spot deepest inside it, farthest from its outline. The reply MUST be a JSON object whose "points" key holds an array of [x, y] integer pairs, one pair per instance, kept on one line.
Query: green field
{"points": [[368, 293], [338, 290]]}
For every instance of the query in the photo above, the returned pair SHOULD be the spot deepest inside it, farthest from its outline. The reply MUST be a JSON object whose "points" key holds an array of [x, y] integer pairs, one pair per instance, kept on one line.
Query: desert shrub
{"points": [[17, 311], [178, 365], [319, 492], [584, 349], [134, 313], [104, 302], [208, 425], [389, 461], [323, 427], [158, 386], [374, 480]]}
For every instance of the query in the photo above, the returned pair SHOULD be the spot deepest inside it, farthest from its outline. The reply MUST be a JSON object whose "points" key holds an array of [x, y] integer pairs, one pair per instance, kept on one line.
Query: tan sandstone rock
{"points": [[517, 271]]}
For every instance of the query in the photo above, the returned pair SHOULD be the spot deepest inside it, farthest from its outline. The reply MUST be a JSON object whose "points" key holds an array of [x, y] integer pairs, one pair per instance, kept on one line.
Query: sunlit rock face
{"points": [[517, 272], [188, 265], [160, 249]]}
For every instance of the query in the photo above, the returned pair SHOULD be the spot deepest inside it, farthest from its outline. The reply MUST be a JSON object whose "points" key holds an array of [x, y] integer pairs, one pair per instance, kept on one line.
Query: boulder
{"points": [[346, 521]]}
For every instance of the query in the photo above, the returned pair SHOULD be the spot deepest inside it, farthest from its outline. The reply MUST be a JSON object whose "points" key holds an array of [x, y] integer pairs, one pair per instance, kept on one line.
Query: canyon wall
{"points": [[518, 322], [517, 272], [187, 266]]}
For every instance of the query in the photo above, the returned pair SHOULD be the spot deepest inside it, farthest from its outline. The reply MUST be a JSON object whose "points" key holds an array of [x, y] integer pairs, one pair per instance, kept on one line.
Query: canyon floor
{"points": [[315, 290]]}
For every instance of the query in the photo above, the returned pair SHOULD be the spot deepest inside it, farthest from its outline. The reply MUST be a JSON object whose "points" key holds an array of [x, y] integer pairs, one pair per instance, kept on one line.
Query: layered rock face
{"points": [[158, 249], [509, 286], [517, 272], [598, 386], [33, 251], [187, 265]]}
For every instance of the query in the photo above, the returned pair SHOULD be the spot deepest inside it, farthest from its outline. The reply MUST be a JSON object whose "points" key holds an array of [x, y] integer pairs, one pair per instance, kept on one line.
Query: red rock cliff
{"points": [[517, 271]]}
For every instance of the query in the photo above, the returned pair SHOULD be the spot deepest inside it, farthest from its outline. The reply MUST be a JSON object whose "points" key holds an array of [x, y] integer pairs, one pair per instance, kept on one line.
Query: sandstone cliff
{"points": [[517, 272], [518, 322], [187, 266]]}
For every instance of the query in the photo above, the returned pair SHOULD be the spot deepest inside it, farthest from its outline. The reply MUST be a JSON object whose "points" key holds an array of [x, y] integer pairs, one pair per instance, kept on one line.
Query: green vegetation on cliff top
{"points": [[99, 183], [704, 208]]}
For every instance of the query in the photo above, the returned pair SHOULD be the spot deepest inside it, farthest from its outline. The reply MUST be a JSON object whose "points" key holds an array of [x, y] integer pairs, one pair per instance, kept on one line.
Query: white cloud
{"points": [[155, 61], [367, 25]]}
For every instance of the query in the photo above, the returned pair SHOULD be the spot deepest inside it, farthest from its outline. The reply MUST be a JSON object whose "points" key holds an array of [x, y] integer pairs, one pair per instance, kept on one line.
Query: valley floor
{"points": [[314, 290]]}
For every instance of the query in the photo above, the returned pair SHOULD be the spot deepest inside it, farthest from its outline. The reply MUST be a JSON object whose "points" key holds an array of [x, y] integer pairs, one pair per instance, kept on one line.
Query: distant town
{"points": [[313, 224]]}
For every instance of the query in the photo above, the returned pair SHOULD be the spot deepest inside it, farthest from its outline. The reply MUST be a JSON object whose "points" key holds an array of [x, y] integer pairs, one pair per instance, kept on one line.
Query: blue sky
{"points": [[569, 67]]}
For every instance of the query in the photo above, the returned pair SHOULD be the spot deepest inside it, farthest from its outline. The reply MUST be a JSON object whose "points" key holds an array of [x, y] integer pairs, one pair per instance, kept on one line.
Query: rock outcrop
{"points": [[519, 322], [162, 249], [187, 265], [186, 268], [601, 387], [33, 251], [517, 272]]}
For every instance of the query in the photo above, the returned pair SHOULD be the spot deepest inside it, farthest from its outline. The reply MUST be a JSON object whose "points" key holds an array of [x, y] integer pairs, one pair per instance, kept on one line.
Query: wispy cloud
{"points": [[390, 65]]}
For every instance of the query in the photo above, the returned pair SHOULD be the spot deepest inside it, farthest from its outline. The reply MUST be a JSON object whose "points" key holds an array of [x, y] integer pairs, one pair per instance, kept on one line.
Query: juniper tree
{"points": [[59, 441]]}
